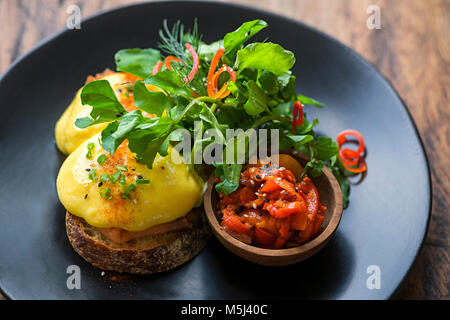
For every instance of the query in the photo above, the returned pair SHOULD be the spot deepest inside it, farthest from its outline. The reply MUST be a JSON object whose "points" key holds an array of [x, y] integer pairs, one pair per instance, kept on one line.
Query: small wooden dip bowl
{"points": [[330, 196]]}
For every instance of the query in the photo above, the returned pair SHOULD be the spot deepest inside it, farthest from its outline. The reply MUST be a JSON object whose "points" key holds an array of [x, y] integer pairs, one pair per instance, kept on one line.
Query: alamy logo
{"points": [[74, 19], [374, 20], [74, 280], [374, 280]]}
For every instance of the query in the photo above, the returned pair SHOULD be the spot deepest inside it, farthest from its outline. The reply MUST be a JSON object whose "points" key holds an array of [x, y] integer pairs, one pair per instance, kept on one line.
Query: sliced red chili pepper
{"points": [[362, 166], [223, 92], [213, 77], [349, 156], [169, 60], [342, 138], [195, 62], [157, 67], [297, 116]]}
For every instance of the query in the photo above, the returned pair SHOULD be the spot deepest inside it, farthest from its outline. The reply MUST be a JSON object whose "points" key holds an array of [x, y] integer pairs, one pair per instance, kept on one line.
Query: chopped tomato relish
{"points": [[270, 209]]}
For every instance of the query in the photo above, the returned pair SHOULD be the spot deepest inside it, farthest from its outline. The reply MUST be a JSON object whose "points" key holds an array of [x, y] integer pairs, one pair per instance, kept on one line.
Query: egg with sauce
{"points": [[69, 136], [168, 192]]}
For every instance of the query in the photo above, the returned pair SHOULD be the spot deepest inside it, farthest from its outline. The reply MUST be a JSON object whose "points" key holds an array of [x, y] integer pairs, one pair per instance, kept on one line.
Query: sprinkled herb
{"points": [[88, 169], [266, 200], [123, 181], [102, 159], [105, 177], [122, 168], [142, 181], [106, 194], [93, 175], [128, 189], [100, 184], [115, 177], [140, 177], [124, 196], [91, 148]]}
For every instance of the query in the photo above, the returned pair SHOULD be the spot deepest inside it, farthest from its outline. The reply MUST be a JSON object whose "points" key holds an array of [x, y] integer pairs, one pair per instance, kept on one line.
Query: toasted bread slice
{"points": [[143, 255]]}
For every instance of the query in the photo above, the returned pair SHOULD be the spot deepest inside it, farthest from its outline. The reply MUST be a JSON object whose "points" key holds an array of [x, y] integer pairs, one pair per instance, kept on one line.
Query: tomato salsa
{"points": [[271, 208]]}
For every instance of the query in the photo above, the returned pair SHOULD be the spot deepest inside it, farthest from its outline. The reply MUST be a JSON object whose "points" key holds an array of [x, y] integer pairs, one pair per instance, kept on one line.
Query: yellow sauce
{"points": [[172, 192], [68, 136]]}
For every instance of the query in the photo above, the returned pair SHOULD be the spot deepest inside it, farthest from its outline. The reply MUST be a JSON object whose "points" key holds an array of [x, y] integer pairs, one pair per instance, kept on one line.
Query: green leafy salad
{"points": [[228, 84]]}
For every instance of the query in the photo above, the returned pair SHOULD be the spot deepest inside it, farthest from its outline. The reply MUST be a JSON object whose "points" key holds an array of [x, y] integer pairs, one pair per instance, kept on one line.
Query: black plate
{"points": [[384, 225]]}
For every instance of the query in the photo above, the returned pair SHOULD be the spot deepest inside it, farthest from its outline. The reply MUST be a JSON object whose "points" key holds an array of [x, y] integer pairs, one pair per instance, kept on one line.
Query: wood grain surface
{"points": [[412, 49]]}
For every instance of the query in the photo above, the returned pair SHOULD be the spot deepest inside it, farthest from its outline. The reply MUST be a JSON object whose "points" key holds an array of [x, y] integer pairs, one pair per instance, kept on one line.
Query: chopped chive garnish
{"points": [[105, 177], [130, 188], [115, 177], [142, 181], [106, 194], [124, 195], [102, 159], [93, 174], [91, 148], [122, 168], [123, 181]]}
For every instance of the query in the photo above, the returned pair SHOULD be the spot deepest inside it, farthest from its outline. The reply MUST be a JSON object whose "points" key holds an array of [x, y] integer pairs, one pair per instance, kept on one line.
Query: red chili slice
{"points": [[342, 138], [213, 77], [297, 116], [169, 60], [195, 62], [157, 67]]}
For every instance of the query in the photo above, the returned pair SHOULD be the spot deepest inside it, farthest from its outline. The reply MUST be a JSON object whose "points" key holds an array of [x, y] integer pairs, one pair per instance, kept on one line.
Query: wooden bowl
{"points": [[330, 196]]}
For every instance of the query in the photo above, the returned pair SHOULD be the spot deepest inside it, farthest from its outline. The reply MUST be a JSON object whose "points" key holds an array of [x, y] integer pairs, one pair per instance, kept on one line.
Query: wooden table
{"points": [[412, 49]]}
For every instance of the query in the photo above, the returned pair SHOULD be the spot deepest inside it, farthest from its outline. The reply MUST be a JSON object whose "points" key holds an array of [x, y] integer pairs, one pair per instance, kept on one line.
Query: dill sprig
{"points": [[173, 40]]}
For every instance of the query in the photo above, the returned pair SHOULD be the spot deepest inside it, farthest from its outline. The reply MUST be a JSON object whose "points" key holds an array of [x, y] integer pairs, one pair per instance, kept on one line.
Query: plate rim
{"points": [[371, 67]]}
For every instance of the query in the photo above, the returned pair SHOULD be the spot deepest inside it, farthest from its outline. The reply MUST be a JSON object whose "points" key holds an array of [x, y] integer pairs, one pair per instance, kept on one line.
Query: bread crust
{"points": [[145, 255]]}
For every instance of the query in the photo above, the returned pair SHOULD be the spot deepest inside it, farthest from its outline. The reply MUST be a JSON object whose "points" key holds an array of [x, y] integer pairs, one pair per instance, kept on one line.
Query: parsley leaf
{"points": [[324, 148], [116, 132], [151, 102], [233, 41], [306, 100], [105, 106], [266, 56], [257, 100], [169, 81], [139, 62]]}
